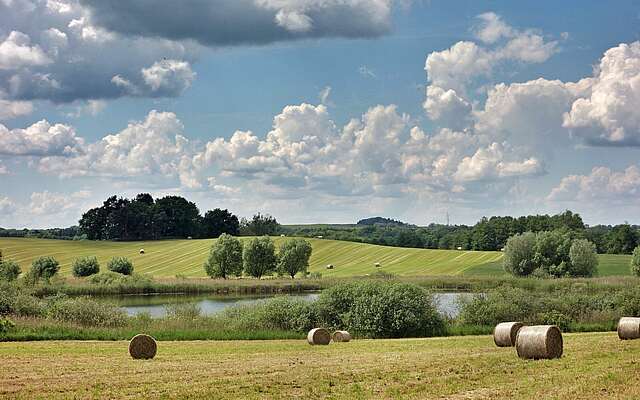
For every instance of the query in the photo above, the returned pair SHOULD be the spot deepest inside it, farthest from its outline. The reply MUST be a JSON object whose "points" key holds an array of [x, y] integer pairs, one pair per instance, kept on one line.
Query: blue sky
{"points": [[321, 110]]}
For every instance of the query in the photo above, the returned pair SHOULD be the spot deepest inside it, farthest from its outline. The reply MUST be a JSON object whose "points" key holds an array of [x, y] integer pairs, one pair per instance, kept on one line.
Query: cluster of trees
{"points": [[257, 258], [70, 233], [488, 234], [146, 218], [46, 267], [550, 253]]}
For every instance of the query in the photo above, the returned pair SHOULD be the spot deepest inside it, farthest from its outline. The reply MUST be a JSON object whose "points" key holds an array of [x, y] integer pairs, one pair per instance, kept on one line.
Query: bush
{"points": [[85, 266], [107, 278], [44, 268], [86, 312], [259, 257], [25, 305], [519, 253], [584, 259], [9, 270], [8, 294], [380, 310], [280, 313], [504, 304], [225, 257], [635, 261], [121, 265], [6, 325]]}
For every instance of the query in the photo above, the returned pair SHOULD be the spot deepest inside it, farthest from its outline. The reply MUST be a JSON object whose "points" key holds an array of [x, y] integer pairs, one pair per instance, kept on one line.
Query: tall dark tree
{"points": [[259, 225], [217, 221]]}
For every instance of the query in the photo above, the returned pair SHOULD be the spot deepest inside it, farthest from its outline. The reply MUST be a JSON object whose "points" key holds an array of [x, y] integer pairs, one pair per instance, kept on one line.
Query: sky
{"points": [[321, 111]]}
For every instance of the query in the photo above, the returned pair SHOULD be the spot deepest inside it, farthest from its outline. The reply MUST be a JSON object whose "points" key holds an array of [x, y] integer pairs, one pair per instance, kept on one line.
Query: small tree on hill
{"points": [[635, 261], [85, 266], [44, 268], [259, 257], [294, 257], [225, 257], [120, 265], [584, 260]]}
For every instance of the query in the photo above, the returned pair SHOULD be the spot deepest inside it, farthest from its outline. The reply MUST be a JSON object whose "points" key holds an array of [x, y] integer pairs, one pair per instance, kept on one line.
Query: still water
{"points": [[154, 305]]}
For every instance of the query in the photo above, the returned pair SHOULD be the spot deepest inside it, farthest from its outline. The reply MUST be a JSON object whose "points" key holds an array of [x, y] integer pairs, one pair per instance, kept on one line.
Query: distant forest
{"points": [[146, 218]]}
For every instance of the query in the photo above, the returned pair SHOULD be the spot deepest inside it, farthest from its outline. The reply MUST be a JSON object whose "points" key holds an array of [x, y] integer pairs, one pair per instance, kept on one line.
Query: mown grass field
{"points": [[185, 257], [594, 366]]}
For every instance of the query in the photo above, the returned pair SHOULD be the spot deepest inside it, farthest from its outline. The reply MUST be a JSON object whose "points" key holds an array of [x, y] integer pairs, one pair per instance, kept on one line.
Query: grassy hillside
{"points": [[594, 366], [171, 257]]}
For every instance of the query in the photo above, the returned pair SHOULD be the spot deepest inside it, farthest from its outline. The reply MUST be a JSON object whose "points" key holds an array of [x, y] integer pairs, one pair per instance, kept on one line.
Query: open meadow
{"points": [[169, 258], [469, 367]]}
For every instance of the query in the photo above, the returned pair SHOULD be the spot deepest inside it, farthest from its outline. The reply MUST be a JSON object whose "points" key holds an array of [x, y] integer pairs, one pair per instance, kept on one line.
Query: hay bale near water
{"points": [[629, 328], [539, 342], [341, 336], [318, 336], [505, 333], [143, 347]]}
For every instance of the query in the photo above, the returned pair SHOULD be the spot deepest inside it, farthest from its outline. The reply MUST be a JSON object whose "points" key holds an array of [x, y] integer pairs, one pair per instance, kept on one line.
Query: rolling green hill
{"points": [[171, 257]]}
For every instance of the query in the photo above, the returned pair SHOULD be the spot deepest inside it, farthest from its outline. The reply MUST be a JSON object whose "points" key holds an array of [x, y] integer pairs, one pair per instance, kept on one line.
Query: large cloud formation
{"points": [[70, 50]]}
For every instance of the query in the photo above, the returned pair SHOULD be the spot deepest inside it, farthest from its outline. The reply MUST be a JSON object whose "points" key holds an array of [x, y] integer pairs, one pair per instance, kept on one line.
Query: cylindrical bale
{"points": [[319, 336], [629, 328], [341, 336], [504, 334], [539, 342], [143, 347]]}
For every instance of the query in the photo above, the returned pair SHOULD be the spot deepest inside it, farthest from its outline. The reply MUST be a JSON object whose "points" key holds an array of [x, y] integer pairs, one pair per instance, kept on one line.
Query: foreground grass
{"points": [[594, 366]]}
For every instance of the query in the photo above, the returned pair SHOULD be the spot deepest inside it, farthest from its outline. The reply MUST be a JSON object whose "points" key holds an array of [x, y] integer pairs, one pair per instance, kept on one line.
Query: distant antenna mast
{"points": [[447, 218]]}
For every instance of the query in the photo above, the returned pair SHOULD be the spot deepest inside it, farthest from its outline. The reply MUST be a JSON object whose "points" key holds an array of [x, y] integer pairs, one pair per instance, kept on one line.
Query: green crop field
{"points": [[171, 257], [594, 366]]}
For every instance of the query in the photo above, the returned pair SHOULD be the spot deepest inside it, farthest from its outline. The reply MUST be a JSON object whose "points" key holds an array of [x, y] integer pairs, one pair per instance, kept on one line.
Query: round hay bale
{"points": [[341, 336], [629, 328], [505, 333], [141, 251], [143, 347], [319, 336], [330, 266], [539, 342]]}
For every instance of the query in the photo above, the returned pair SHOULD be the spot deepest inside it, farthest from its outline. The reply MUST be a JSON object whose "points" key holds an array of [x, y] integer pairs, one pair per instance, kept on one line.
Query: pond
{"points": [[446, 302]]}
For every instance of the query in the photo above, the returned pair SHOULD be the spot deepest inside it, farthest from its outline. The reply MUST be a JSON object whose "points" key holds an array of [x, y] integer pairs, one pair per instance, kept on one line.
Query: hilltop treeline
{"points": [[146, 218], [488, 234]]}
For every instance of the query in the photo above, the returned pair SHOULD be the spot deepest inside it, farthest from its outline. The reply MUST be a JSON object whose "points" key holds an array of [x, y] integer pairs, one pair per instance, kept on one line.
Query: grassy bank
{"points": [[454, 368], [76, 287]]}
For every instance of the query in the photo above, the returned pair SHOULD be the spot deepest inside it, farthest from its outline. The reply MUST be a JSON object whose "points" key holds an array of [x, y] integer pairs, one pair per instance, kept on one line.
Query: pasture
{"points": [[469, 367], [169, 258]]}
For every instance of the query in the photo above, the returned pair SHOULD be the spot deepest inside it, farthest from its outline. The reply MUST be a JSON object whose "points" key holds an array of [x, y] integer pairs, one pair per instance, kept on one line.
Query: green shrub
{"points": [[554, 317], [107, 278], [8, 294], [283, 313], [25, 305], [6, 325], [44, 268], [503, 304], [9, 270], [86, 312], [584, 259], [635, 261], [85, 266], [380, 310], [121, 265]]}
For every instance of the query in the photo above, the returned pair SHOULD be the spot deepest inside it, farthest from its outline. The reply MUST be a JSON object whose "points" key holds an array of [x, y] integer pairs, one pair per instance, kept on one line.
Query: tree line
{"points": [[146, 218], [488, 234]]}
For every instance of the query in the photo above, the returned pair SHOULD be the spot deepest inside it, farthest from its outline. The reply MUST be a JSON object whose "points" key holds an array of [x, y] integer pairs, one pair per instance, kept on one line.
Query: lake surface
{"points": [[154, 305]]}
